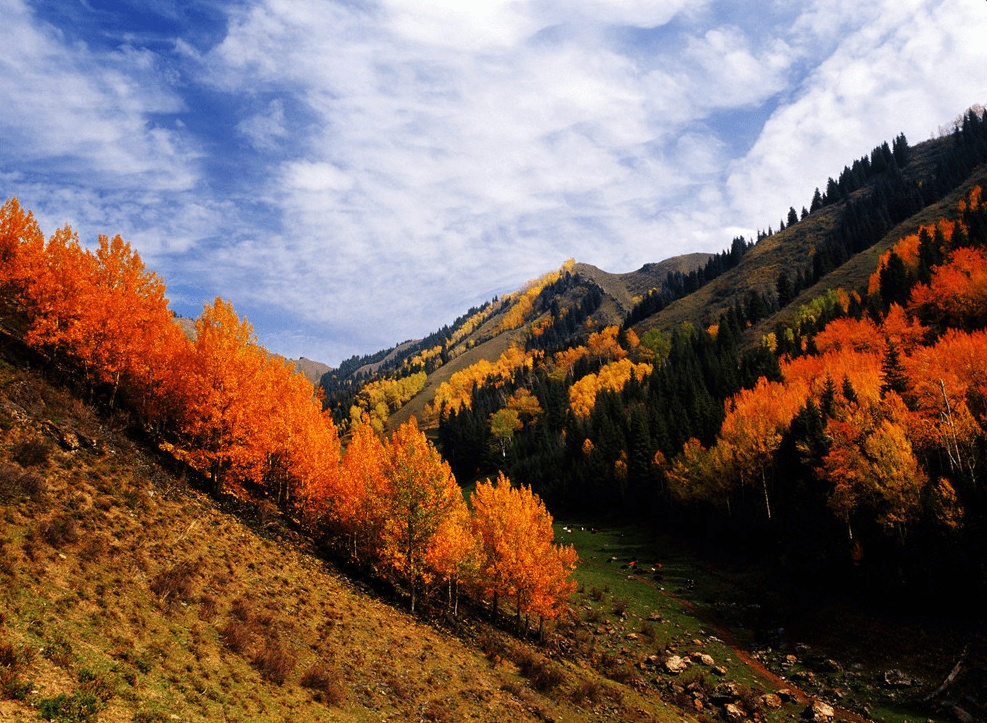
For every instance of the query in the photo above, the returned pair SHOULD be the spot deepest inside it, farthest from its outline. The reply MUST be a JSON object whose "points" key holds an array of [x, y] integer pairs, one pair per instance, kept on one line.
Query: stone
{"points": [[705, 659], [819, 712], [785, 694], [771, 701], [962, 716], [727, 690], [675, 665], [720, 670], [895, 678], [734, 712]]}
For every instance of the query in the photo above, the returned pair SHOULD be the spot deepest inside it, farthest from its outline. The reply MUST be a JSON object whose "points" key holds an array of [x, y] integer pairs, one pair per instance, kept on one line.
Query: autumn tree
{"points": [[421, 494], [520, 559], [222, 385], [358, 511]]}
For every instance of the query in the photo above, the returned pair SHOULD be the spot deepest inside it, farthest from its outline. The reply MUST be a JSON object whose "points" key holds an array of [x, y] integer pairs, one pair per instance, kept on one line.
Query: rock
{"points": [[734, 712], [818, 712], [771, 701], [785, 694], [962, 716], [631, 636], [720, 670], [675, 665], [789, 661], [832, 666], [895, 678], [705, 659], [727, 690]]}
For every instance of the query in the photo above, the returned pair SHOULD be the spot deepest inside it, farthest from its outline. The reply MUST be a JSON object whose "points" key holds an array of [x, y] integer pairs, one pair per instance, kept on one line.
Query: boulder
{"points": [[895, 678], [675, 665], [734, 712], [771, 701], [819, 712]]}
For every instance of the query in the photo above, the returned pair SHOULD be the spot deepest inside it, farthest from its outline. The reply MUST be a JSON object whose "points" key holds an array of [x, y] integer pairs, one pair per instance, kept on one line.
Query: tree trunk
{"points": [[764, 486]]}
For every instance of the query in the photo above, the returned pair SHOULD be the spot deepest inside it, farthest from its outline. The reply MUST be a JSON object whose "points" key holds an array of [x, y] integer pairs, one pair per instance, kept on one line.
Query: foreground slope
{"points": [[126, 595]]}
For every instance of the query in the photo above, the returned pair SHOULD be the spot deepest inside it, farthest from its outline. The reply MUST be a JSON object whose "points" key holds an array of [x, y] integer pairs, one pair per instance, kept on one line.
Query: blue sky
{"points": [[352, 174]]}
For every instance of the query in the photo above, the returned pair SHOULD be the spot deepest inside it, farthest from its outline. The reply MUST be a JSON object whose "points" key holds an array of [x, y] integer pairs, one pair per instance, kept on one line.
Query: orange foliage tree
{"points": [[519, 558], [421, 494]]}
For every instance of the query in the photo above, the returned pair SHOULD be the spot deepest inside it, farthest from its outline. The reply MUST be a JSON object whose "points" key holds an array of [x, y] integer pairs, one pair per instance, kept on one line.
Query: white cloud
{"points": [[88, 114], [265, 130], [378, 168], [903, 67]]}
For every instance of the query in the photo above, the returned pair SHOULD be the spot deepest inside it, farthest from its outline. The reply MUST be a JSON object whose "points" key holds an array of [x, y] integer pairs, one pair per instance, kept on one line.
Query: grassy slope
{"points": [[87, 605], [792, 249]]}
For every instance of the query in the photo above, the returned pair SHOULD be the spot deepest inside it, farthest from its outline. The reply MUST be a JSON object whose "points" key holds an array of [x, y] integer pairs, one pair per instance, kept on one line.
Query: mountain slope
{"points": [[125, 594]]}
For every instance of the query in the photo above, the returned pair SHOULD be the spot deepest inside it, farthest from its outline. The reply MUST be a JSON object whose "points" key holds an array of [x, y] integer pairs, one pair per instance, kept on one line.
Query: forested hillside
{"points": [[731, 400]]}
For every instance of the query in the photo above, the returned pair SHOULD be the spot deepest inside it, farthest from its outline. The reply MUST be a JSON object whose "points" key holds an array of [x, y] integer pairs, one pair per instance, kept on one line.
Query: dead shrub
{"points": [[175, 585], [620, 605], [8, 656], [94, 549], [241, 609], [596, 593], [588, 691], [59, 531], [238, 635], [207, 606], [58, 650], [543, 675], [16, 484], [31, 452], [274, 662], [323, 683]]}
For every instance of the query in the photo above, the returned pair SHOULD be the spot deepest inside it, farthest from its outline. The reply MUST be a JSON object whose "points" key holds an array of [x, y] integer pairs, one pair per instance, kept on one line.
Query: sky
{"points": [[352, 174]]}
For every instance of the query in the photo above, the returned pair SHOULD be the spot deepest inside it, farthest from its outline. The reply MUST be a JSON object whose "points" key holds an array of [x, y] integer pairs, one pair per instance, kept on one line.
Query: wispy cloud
{"points": [[352, 174]]}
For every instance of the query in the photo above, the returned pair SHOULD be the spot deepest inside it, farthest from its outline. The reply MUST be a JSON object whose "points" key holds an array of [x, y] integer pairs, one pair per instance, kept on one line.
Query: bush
{"points": [[237, 635], [543, 675], [31, 452], [16, 484], [620, 605], [588, 691], [76, 708], [174, 586], [323, 683], [59, 531], [274, 663]]}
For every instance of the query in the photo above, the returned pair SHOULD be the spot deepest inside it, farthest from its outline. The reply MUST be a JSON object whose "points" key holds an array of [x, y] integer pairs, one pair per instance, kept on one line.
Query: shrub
{"points": [[588, 691], [596, 593], [16, 484], [543, 675], [76, 708], [174, 586], [58, 650], [59, 531], [323, 683], [237, 635], [620, 605], [274, 663], [31, 452]]}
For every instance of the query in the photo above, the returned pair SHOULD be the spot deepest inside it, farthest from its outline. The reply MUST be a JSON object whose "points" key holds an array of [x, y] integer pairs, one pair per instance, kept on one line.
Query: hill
{"points": [[127, 594]]}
